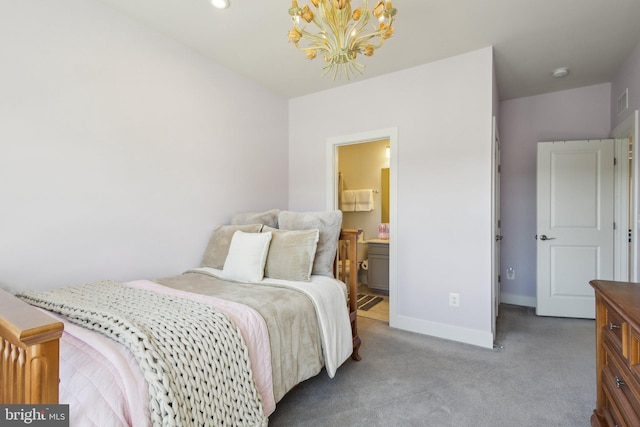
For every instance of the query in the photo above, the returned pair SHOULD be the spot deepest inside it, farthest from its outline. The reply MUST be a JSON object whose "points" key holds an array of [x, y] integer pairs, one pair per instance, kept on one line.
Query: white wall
{"points": [[120, 149], [443, 114], [627, 77], [566, 115]]}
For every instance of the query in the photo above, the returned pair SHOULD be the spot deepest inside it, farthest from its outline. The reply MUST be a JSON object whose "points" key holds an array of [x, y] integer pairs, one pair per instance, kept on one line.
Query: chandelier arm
{"points": [[356, 67], [321, 24], [328, 68], [341, 17], [367, 37], [310, 44], [315, 41], [361, 23], [357, 41], [378, 33], [328, 17], [336, 19]]}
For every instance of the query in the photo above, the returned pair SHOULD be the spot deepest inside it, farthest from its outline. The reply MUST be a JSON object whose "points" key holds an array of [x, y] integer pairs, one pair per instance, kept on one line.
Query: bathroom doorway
{"points": [[363, 198], [363, 165]]}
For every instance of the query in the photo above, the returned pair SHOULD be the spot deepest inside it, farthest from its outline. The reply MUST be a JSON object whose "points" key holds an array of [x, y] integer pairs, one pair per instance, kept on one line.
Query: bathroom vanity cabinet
{"points": [[378, 278]]}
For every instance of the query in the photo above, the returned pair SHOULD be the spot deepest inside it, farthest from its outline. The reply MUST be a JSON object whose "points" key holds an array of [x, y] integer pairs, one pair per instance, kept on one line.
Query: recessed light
{"points": [[560, 72], [220, 4]]}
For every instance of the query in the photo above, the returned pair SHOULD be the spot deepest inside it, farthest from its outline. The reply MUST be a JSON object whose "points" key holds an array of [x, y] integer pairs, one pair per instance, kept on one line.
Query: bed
{"points": [[270, 332]]}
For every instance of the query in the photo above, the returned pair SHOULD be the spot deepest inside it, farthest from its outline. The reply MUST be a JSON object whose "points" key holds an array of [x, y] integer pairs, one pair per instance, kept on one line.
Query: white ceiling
{"points": [[530, 39]]}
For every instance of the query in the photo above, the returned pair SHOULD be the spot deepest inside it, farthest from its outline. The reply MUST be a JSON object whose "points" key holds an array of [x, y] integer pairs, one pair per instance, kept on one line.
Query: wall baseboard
{"points": [[441, 330], [523, 300]]}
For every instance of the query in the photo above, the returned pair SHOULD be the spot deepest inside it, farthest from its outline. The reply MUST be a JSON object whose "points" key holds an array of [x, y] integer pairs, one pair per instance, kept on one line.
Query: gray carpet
{"points": [[544, 375]]}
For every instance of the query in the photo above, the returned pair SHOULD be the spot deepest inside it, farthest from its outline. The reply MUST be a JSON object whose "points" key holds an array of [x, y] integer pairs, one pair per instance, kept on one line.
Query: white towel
{"points": [[364, 200], [348, 201]]}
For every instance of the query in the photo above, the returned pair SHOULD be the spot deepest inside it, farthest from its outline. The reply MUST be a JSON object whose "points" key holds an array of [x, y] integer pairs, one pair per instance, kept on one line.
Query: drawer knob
{"points": [[613, 326], [619, 382]]}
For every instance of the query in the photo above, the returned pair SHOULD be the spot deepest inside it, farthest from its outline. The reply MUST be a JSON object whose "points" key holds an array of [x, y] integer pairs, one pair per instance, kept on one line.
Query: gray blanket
{"points": [[296, 350]]}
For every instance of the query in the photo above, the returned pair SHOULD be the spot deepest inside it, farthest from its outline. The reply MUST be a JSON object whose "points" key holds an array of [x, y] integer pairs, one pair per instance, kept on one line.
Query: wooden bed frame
{"points": [[30, 338], [29, 353], [348, 250]]}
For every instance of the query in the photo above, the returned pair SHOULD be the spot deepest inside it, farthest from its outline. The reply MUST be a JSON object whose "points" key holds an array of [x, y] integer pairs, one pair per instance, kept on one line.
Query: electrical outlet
{"points": [[454, 300]]}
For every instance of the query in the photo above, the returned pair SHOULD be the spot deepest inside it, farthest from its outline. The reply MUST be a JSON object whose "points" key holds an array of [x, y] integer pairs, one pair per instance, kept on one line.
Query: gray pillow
{"points": [[329, 225], [218, 247], [291, 254], [269, 218]]}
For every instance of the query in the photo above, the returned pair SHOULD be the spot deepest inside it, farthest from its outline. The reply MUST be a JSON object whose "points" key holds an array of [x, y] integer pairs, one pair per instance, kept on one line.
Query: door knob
{"points": [[543, 237], [498, 237]]}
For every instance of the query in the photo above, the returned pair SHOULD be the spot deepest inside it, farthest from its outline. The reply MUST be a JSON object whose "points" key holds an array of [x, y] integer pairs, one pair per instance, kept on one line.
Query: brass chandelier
{"points": [[342, 33]]}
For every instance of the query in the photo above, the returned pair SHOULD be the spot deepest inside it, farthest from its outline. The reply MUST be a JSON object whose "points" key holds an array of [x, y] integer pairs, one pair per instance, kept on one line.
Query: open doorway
{"points": [[334, 185], [363, 198]]}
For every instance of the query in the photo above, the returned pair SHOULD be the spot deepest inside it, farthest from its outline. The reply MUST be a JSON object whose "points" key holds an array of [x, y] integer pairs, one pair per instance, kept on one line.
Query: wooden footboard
{"points": [[29, 353], [348, 250]]}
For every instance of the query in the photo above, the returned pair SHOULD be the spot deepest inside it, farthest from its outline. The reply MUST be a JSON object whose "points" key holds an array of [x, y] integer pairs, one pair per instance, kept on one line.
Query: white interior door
{"points": [[575, 224]]}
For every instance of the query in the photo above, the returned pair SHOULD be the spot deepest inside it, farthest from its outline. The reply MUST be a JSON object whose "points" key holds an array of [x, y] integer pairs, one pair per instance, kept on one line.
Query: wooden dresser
{"points": [[617, 353]]}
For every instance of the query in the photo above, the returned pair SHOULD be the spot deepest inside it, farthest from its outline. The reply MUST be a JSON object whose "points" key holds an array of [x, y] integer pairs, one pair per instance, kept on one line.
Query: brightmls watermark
{"points": [[34, 415]]}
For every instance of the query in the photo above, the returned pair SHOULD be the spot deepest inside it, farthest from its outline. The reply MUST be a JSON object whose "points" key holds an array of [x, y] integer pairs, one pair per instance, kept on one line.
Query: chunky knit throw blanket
{"points": [[192, 356]]}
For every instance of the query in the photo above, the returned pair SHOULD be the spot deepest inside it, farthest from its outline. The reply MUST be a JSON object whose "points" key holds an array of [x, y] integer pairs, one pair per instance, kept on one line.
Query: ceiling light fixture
{"points": [[341, 33], [560, 72], [220, 4]]}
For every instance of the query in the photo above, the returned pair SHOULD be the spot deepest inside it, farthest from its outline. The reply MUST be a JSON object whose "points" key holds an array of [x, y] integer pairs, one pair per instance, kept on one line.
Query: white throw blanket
{"points": [[184, 389]]}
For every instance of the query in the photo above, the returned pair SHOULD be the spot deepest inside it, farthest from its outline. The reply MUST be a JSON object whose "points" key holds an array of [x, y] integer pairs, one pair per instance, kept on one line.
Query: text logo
{"points": [[34, 415]]}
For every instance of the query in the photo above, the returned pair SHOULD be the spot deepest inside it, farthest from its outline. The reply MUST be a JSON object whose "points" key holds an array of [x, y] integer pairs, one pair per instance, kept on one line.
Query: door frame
{"points": [[332, 145], [495, 228], [621, 251], [629, 129]]}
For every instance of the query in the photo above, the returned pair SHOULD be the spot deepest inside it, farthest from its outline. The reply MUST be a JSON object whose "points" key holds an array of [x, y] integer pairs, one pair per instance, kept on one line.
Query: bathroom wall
{"points": [[360, 165]]}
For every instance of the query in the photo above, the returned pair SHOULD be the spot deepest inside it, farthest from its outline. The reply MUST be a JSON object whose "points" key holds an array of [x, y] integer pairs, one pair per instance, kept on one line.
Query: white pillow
{"points": [[247, 256]]}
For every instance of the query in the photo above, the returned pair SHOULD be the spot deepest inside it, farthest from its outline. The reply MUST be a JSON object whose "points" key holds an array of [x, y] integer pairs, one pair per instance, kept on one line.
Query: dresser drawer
{"points": [[618, 405], [634, 353], [612, 415], [618, 330], [617, 378]]}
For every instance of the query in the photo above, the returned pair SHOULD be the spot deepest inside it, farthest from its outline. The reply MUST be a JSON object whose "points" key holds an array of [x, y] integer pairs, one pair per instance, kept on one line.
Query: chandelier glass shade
{"points": [[340, 33]]}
